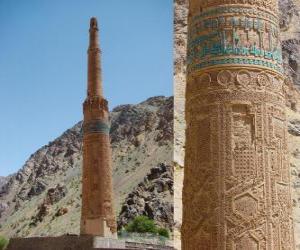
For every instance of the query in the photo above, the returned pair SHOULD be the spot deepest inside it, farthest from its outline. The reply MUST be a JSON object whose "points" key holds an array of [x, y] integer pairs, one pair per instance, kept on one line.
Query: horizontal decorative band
{"points": [[233, 22], [237, 61], [233, 37], [96, 126], [241, 10], [218, 50]]}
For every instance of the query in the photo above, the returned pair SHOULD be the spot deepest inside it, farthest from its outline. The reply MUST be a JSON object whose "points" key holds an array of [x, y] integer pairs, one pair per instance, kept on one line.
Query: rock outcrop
{"points": [[3, 181], [153, 197], [180, 47], [53, 196]]}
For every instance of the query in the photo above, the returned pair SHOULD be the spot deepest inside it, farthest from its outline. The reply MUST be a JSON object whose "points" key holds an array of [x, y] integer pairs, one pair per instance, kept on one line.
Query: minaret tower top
{"points": [[94, 64]]}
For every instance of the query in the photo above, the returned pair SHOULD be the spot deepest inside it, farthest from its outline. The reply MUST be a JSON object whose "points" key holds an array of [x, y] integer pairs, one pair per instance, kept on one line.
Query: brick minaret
{"points": [[236, 193], [97, 216]]}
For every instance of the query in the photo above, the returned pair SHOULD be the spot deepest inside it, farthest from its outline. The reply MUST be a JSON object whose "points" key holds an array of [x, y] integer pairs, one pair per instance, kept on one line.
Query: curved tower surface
{"points": [[236, 191], [97, 216]]}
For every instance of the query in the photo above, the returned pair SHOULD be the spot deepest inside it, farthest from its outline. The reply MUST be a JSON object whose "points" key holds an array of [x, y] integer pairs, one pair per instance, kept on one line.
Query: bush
{"points": [[163, 232], [141, 224], [3, 242]]}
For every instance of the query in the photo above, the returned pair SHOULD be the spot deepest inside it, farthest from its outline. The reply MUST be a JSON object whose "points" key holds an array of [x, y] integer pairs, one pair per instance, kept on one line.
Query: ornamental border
{"points": [[95, 126], [234, 61], [229, 9], [219, 22]]}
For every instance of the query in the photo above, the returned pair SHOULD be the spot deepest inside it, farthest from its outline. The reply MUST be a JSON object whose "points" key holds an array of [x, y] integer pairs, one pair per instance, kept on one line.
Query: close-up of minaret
{"points": [[97, 217], [236, 192]]}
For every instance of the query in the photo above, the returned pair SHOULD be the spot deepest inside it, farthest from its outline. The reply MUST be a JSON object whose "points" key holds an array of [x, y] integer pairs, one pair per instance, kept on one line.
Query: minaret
{"points": [[97, 216], [236, 193]]}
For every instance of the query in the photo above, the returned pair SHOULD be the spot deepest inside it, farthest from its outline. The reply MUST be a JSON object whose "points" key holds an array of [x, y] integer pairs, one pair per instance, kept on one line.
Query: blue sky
{"points": [[43, 67]]}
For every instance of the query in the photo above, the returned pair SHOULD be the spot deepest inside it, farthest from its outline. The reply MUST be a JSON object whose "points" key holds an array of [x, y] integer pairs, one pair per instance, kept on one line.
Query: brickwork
{"points": [[236, 192], [74, 242], [97, 216]]}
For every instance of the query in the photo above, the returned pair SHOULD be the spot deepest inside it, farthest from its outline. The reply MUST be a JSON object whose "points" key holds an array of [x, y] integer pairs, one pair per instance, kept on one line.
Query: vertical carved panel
{"points": [[244, 164], [203, 177]]}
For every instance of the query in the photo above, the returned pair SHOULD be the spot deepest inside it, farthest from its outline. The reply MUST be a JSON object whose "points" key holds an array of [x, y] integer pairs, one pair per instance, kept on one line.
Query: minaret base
{"points": [[70, 242], [75, 242], [97, 227]]}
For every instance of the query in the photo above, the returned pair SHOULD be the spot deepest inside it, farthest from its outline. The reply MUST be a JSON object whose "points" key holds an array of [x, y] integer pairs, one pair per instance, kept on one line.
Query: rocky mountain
{"points": [[2, 181], [290, 36], [43, 197], [153, 197]]}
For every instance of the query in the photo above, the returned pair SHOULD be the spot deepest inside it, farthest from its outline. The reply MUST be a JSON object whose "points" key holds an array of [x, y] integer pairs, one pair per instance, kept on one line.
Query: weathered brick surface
{"points": [[51, 243], [236, 192], [69, 242], [97, 216]]}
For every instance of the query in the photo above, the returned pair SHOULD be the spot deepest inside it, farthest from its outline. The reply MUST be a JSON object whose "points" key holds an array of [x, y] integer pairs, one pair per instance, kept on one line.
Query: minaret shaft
{"points": [[236, 191], [94, 62], [97, 217]]}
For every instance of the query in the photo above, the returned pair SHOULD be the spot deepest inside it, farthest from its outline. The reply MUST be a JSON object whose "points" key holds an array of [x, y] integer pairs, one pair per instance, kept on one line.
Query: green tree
{"points": [[3, 242]]}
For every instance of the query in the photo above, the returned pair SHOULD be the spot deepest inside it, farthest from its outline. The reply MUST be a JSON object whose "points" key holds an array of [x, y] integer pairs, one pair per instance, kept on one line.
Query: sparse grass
{"points": [[163, 232], [3, 242]]}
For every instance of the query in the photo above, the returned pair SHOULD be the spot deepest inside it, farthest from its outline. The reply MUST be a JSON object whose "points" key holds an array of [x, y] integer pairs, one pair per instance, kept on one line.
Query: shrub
{"points": [[3, 242], [141, 224], [163, 232]]}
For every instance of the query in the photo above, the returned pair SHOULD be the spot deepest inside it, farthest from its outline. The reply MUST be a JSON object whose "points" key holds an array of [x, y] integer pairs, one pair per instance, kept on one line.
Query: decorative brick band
{"points": [[237, 9], [96, 126], [239, 61], [234, 31], [268, 6]]}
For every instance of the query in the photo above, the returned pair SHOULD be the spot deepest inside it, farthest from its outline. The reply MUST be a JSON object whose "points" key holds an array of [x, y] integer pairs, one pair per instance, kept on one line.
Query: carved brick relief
{"points": [[268, 5], [244, 164], [234, 35], [236, 189]]}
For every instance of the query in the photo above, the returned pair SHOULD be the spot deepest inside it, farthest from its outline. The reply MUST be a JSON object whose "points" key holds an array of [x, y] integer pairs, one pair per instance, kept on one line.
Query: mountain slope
{"points": [[43, 197], [3, 180]]}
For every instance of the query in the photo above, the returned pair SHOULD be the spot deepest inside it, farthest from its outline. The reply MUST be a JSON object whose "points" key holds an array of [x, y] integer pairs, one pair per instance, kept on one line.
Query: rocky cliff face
{"points": [[43, 197], [290, 35], [153, 197], [180, 46]]}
